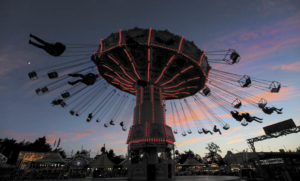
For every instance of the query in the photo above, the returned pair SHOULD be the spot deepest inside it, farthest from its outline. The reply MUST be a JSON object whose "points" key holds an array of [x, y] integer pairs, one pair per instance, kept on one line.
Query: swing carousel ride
{"points": [[151, 72]]}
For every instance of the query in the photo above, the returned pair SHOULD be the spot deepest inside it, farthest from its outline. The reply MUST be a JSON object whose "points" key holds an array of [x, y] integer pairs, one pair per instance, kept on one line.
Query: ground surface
{"points": [[180, 178]]}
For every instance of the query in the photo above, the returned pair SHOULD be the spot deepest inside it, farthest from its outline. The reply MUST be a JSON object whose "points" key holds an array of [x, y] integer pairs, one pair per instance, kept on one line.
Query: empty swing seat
{"points": [[65, 94], [237, 103], [206, 91], [52, 75], [44, 89], [234, 57], [32, 75], [275, 87], [38, 91], [245, 81], [226, 126]]}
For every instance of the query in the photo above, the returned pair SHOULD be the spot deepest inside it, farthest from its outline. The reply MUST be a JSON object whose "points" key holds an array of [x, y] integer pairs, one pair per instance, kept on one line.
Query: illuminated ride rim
{"points": [[161, 67], [150, 57]]}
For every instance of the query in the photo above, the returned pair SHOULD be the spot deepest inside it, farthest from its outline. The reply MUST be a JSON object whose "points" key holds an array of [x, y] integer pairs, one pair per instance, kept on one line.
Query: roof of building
{"points": [[191, 161], [102, 161], [124, 163], [51, 158]]}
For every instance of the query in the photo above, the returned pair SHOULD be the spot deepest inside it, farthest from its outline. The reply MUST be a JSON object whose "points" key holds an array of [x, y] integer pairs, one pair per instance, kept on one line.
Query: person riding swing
{"points": [[55, 49]]}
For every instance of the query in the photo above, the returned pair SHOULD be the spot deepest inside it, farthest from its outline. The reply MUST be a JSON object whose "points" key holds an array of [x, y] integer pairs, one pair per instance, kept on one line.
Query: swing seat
{"points": [[38, 91], [32, 75], [72, 112], [244, 124], [63, 104], [245, 81], [226, 126], [275, 87], [262, 103], [189, 131], [206, 91], [44, 89], [234, 58], [237, 103], [65, 94], [216, 129], [52, 75]]}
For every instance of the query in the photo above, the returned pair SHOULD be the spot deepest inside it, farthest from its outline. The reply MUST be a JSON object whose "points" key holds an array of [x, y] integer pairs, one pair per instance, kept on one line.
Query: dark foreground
{"points": [[178, 178]]}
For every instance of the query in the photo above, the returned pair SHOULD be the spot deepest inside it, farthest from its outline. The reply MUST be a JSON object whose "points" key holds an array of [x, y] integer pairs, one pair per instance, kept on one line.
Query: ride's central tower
{"points": [[150, 141], [154, 66]]}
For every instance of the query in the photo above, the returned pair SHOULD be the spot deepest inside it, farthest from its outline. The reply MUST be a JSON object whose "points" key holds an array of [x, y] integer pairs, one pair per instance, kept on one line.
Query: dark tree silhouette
{"points": [[111, 154], [11, 148], [40, 145], [181, 158], [61, 152], [103, 149], [83, 152], [213, 153]]}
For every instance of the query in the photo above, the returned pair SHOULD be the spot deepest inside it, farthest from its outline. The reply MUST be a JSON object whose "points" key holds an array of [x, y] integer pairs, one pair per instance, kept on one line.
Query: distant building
{"points": [[28, 160], [102, 166], [190, 166], [271, 165], [3, 159]]}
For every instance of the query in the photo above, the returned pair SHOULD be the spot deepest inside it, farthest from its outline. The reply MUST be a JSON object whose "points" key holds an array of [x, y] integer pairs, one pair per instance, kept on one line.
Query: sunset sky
{"points": [[265, 33]]}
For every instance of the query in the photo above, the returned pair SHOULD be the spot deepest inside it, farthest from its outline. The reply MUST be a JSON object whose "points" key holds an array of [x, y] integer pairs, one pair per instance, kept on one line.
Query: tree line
{"points": [[11, 148]]}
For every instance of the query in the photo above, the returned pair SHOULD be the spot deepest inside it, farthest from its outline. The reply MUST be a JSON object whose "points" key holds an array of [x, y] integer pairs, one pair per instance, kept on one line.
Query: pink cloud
{"points": [[10, 60], [285, 93], [235, 141], [295, 67], [191, 140], [21, 136], [69, 136], [51, 138], [82, 134], [120, 149], [255, 44]]}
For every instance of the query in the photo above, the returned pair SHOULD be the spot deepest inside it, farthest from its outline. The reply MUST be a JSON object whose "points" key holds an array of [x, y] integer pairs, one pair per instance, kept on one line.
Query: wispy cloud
{"points": [[20, 136], [11, 60], [69, 135], [235, 141], [285, 93], [191, 140], [258, 43], [294, 67]]}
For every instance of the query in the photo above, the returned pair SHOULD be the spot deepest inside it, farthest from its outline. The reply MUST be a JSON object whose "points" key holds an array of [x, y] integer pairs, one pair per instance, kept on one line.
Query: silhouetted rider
{"points": [[205, 131], [236, 115], [216, 129], [250, 118], [55, 49], [87, 79], [269, 110]]}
